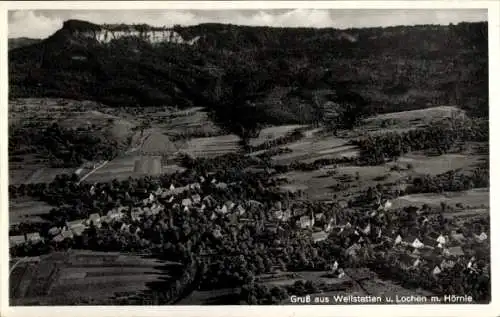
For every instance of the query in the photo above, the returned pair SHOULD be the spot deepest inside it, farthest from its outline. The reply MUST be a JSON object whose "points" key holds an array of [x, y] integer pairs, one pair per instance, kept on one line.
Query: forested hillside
{"points": [[276, 75]]}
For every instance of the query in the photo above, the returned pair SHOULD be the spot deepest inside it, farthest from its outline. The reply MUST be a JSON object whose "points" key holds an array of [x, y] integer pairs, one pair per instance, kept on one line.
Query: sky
{"points": [[42, 23]]}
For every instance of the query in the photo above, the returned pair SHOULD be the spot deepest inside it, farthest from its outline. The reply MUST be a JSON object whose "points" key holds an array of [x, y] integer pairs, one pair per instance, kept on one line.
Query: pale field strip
{"points": [[275, 132]]}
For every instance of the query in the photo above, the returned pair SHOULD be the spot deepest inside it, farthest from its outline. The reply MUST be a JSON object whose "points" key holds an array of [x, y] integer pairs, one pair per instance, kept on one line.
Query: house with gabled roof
{"points": [[240, 210], [413, 241], [33, 237], [436, 270], [398, 240]]}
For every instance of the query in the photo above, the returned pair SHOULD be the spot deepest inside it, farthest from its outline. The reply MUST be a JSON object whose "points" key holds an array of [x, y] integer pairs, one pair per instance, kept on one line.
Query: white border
{"points": [[492, 309]]}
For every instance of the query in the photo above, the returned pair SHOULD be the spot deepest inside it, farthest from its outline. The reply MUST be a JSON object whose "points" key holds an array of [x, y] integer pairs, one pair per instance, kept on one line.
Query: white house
{"points": [[441, 239], [482, 237], [417, 244], [436, 270], [172, 187], [335, 266], [387, 205]]}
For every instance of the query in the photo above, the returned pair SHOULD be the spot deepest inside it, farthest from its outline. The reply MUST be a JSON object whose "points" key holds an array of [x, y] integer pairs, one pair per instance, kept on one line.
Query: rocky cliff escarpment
{"points": [[104, 34]]}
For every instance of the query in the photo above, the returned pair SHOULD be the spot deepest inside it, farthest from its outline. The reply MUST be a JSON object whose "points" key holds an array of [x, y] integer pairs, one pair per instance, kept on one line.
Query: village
{"points": [[375, 231]]}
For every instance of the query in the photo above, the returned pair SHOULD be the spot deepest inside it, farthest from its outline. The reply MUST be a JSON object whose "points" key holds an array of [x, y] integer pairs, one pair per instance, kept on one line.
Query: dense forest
{"points": [[272, 75]]}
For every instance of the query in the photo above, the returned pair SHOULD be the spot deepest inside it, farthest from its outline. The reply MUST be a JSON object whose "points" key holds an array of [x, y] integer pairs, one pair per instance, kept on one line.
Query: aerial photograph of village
{"points": [[248, 157]]}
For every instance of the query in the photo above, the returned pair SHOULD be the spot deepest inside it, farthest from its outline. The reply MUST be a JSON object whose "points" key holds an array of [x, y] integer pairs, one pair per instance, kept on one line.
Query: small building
{"points": [[240, 210], [436, 270], [34, 237], [319, 216], [95, 219], [217, 233], [481, 237], [54, 231], [65, 234], [221, 186], [125, 227], [229, 205], [447, 264], [186, 202], [114, 215], [196, 198], [398, 240], [367, 229], [319, 236]]}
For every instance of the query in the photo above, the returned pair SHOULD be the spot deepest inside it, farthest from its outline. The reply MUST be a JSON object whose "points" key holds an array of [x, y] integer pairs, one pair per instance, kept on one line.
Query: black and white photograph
{"points": [[264, 156]]}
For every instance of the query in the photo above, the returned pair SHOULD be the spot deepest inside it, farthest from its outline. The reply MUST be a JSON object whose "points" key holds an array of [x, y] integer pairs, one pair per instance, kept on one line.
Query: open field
{"points": [[415, 117], [312, 147], [319, 184], [475, 198], [67, 277], [272, 133], [33, 170], [27, 210], [435, 165], [211, 146], [189, 122]]}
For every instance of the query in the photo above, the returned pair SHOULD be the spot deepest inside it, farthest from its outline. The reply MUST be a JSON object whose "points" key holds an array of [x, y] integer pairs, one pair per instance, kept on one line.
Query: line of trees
{"points": [[439, 137]]}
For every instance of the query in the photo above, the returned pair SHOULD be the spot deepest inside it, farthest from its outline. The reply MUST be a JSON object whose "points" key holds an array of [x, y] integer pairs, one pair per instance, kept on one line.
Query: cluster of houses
{"points": [[439, 249], [149, 207]]}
